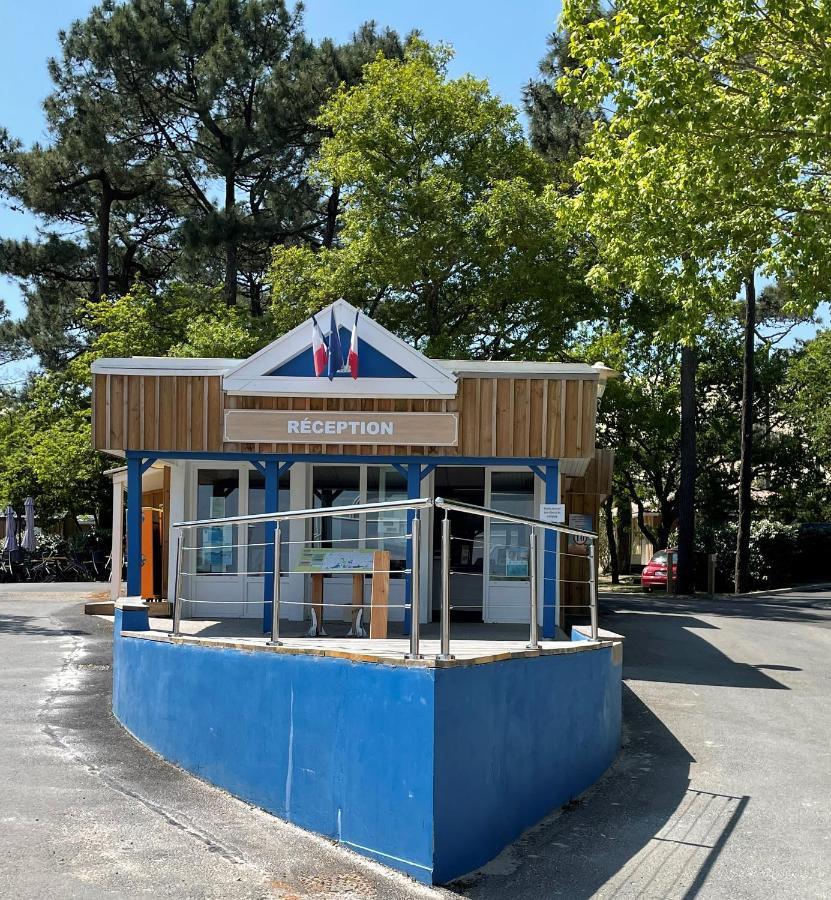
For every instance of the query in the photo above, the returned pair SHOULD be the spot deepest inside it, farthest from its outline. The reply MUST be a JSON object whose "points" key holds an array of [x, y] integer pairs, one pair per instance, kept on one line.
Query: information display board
{"points": [[331, 561]]}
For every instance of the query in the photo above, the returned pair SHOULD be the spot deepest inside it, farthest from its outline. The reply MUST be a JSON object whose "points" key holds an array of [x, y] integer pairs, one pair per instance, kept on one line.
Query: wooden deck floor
{"points": [[471, 644]]}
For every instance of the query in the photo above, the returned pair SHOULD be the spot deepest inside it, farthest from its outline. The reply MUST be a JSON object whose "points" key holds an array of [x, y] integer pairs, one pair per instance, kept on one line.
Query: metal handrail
{"points": [[488, 513], [407, 505], [317, 513]]}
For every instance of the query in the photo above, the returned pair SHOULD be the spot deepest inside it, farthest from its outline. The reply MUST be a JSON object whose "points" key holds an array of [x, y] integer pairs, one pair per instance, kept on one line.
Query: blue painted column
{"points": [[413, 493], [549, 566], [272, 504], [134, 526]]}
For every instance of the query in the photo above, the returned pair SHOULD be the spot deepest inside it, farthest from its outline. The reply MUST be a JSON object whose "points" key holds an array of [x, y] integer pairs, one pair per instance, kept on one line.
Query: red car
{"points": [[654, 574]]}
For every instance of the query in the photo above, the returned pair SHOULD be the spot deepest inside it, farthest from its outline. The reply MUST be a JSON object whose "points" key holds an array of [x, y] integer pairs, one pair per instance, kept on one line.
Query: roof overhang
{"points": [[161, 365]]}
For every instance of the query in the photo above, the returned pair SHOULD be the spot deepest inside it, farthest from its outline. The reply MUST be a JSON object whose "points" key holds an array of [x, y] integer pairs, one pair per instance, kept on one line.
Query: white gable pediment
{"points": [[388, 367]]}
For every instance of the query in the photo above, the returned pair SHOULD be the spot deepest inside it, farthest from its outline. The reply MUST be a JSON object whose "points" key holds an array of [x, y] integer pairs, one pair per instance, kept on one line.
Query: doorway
{"points": [[467, 542]]}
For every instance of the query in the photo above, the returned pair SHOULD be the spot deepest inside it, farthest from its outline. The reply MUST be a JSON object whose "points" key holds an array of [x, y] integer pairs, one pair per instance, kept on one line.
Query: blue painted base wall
{"points": [[515, 740], [430, 771]]}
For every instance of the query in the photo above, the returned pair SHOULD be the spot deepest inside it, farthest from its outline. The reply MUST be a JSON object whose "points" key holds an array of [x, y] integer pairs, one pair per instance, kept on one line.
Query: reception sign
{"points": [[341, 427]]}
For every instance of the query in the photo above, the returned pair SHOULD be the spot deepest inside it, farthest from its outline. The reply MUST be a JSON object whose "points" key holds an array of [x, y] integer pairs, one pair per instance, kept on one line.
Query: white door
{"points": [[507, 584]]}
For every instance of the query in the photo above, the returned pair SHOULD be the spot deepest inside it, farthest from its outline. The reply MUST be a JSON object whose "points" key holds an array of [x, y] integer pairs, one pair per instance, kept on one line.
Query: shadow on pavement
{"points": [[665, 647], [26, 625], [791, 607], [642, 831]]}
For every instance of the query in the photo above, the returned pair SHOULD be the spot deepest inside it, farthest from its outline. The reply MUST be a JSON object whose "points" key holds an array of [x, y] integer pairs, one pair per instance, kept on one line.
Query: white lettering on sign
{"points": [[342, 427], [553, 513], [338, 426]]}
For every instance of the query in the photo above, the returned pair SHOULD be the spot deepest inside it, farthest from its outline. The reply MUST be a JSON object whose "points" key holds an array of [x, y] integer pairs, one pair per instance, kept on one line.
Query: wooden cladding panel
{"points": [[498, 417], [100, 402], [147, 412]]}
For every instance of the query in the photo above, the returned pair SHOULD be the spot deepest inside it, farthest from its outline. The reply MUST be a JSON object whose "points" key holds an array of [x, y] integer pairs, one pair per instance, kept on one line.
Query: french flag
{"points": [[352, 359], [321, 356]]}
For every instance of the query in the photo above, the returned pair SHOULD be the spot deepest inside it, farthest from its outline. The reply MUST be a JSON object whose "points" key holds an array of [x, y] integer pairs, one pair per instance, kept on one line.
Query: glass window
{"points": [[335, 486], [511, 492], [385, 530], [217, 496], [256, 533], [467, 544]]}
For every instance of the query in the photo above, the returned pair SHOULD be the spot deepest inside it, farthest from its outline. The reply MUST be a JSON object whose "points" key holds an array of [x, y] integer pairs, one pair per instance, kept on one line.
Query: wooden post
{"points": [[380, 594], [317, 599], [357, 599], [117, 551]]}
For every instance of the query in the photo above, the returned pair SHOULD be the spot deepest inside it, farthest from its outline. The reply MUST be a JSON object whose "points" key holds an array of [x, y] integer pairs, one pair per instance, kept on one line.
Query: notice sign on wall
{"points": [[553, 513], [341, 427], [577, 543]]}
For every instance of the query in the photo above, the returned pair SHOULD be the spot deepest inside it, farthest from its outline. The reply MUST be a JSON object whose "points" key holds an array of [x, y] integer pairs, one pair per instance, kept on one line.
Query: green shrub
{"points": [[773, 554]]}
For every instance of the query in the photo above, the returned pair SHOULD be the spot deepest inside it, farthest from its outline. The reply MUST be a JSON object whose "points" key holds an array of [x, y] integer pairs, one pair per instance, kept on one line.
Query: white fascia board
{"points": [[161, 365], [298, 339], [401, 388], [519, 369]]}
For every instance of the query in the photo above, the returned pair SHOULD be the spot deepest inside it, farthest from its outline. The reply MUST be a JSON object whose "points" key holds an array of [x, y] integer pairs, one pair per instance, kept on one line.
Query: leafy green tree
{"points": [[46, 450], [809, 380], [711, 165], [638, 418], [449, 233], [227, 93], [178, 320], [558, 129]]}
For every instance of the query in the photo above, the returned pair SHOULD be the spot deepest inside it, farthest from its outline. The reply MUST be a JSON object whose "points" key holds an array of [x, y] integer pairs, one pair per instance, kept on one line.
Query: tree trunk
{"points": [[104, 211], [332, 207], [256, 291], [610, 538], [624, 536], [231, 251], [742, 574], [685, 582]]}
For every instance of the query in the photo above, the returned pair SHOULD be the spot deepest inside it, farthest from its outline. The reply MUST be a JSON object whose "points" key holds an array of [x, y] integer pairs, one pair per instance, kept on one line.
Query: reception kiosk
{"points": [[267, 434]]}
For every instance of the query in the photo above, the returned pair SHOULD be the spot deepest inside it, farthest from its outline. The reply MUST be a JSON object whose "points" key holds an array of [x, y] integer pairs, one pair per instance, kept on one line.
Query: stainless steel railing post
{"points": [[534, 642], [592, 590], [445, 590], [274, 640], [415, 590], [177, 600]]}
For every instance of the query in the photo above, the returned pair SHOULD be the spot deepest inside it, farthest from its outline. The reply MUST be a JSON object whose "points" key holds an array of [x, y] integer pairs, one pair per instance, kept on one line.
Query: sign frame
{"points": [[341, 427]]}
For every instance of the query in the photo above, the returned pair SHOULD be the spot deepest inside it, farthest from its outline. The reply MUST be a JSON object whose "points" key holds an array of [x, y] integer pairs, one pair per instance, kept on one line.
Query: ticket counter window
{"points": [[336, 486], [217, 496], [257, 533], [467, 544], [386, 530]]}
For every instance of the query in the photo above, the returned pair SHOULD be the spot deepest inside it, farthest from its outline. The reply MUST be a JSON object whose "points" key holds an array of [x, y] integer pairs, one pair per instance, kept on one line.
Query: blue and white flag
{"points": [[335, 352]]}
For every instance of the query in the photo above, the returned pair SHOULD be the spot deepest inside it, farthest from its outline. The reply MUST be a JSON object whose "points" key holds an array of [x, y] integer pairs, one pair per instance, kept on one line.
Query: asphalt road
{"points": [[722, 789]]}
